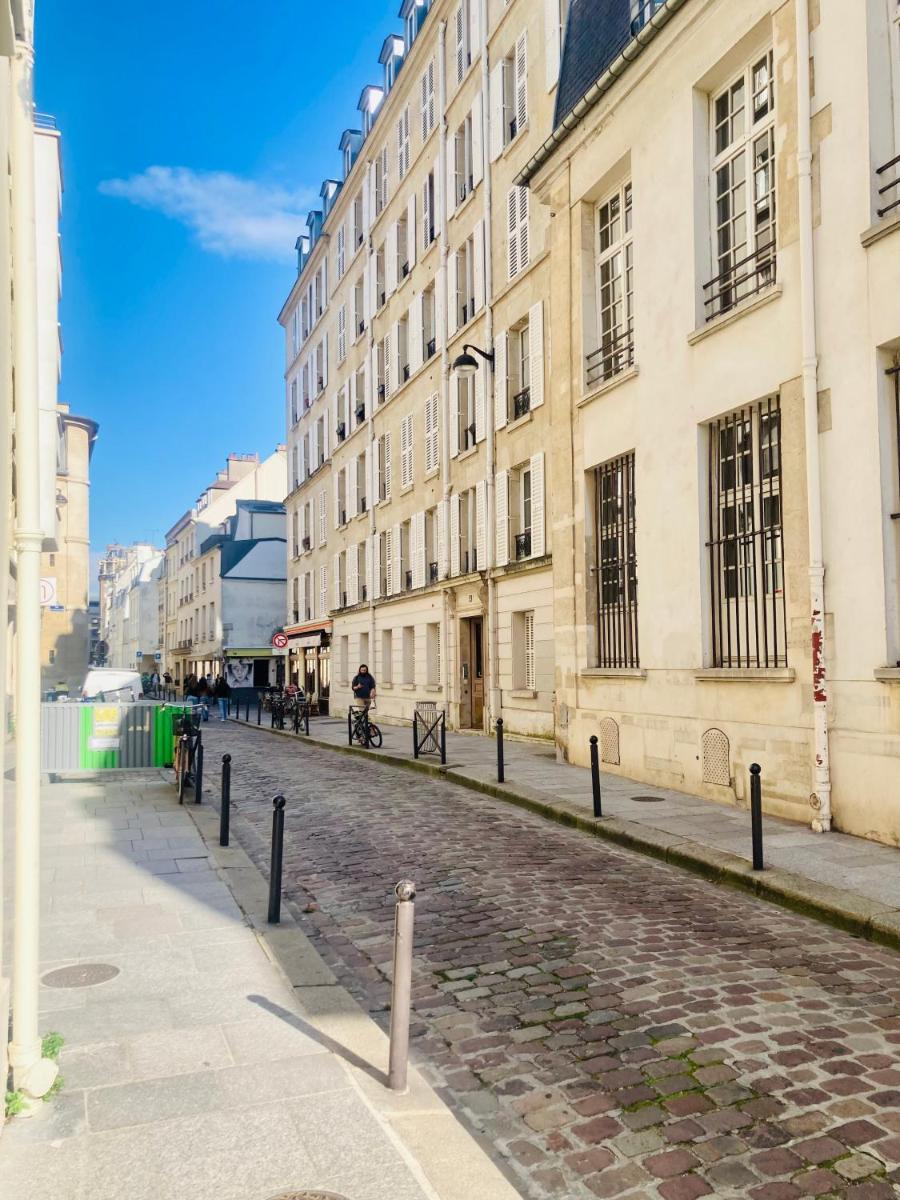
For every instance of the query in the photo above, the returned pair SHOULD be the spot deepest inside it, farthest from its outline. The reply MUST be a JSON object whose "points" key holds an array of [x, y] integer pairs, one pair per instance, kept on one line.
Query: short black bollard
{"points": [[415, 735], [184, 750], [225, 806], [444, 740], [756, 829], [595, 777], [306, 718], [277, 852], [272, 715], [500, 766], [198, 773], [258, 708]]}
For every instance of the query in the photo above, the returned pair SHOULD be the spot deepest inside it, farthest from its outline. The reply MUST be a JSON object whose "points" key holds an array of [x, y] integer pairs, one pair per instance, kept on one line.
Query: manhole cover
{"points": [[80, 975], [649, 799], [307, 1196]]}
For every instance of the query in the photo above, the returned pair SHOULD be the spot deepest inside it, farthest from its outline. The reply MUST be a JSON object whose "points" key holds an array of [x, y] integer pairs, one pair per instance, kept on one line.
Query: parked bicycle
{"points": [[361, 729]]}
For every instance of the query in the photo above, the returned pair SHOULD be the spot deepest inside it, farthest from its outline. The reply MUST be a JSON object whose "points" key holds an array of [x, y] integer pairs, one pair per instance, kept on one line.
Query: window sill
{"points": [[407, 687], [513, 141], [359, 516], [385, 687], [887, 674], [745, 675], [404, 491], [881, 229], [519, 421], [431, 474], [613, 673], [523, 694], [463, 204], [433, 687], [461, 330], [607, 386], [735, 314], [343, 683], [470, 453]]}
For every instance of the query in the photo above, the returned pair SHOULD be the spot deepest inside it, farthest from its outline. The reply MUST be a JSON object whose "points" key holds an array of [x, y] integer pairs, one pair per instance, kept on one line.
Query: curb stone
{"points": [[834, 906]]}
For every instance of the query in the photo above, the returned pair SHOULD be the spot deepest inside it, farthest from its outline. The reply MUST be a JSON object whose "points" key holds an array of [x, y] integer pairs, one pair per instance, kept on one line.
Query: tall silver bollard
{"points": [[404, 918]]}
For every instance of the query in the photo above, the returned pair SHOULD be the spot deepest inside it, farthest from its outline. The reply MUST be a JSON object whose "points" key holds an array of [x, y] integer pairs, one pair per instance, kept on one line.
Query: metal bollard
{"points": [[258, 709], [184, 746], [500, 766], [272, 716], [404, 917], [444, 740], [415, 735], [756, 828], [595, 777], [225, 806], [277, 852], [198, 773]]}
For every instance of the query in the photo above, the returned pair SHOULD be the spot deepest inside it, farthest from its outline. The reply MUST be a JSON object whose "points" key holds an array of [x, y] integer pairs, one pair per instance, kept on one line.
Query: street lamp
{"points": [[466, 364]]}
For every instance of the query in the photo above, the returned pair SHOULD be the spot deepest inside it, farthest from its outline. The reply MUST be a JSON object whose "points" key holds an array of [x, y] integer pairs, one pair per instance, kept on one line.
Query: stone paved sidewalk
{"points": [[616, 1028], [843, 878], [222, 1060]]}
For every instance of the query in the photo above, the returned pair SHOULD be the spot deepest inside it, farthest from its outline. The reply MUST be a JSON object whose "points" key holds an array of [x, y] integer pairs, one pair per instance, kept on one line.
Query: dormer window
{"points": [[348, 160]]}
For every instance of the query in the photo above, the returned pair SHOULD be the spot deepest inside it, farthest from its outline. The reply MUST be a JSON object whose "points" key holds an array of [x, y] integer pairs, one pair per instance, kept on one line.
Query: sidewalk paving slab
{"points": [[223, 1060], [845, 880]]}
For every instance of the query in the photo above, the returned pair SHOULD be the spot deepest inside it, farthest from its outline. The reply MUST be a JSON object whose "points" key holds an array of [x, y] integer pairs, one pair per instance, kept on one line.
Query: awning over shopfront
{"points": [[252, 652], [309, 635]]}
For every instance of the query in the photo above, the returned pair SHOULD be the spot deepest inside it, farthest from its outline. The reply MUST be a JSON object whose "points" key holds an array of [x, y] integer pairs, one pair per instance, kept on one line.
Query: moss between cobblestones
{"points": [[834, 906]]}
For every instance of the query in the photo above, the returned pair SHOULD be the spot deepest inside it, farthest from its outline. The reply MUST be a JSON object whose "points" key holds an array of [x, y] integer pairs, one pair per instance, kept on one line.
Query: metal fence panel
{"points": [[91, 737]]}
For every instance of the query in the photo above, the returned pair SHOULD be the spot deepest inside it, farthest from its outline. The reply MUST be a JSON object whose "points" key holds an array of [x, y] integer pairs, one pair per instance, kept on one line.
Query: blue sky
{"points": [[195, 137]]}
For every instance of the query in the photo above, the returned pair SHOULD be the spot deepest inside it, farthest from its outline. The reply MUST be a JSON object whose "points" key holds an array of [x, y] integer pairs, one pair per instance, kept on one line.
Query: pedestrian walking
{"points": [[222, 691], [203, 697], [363, 686]]}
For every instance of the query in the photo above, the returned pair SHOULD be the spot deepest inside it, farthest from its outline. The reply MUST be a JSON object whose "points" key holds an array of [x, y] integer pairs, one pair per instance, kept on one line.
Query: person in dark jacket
{"points": [[363, 686], [222, 691]]}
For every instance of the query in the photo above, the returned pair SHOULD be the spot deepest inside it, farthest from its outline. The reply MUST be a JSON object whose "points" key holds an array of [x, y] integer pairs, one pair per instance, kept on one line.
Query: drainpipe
{"points": [[32, 1073], [494, 696], [821, 797], [440, 321]]}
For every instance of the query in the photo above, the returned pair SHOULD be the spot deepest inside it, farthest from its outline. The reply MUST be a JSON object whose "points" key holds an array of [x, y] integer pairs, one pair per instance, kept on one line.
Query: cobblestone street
{"points": [[616, 1028]]}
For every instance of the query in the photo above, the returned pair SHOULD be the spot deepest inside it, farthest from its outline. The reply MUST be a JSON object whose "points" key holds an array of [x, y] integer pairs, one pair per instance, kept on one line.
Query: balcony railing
{"points": [[887, 189], [468, 561], [307, 543], [360, 328], [405, 372], [362, 504], [343, 520], [432, 572], [430, 347], [341, 431], [513, 129], [343, 599], [744, 278], [408, 580], [523, 545], [521, 403], [467, 437], [404, 270], [360, 413], [364, 591], [381, 391], [464, 313], [613, 355]]}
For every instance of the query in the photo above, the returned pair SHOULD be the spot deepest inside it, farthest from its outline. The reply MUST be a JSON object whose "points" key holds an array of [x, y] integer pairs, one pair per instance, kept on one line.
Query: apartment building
{"points": [[725, 341], [194, 635], [417, 535], [130, 579]]}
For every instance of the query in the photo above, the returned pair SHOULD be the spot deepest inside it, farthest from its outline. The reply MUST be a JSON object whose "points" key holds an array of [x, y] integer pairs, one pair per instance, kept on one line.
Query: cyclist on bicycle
{"points": [[363, 686]]}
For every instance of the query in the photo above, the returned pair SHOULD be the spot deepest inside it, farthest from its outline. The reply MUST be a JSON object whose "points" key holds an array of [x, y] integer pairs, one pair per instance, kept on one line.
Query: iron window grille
{"points": [[408, 580], [616, 571], [746, 543], [743, 135], [893, 373], [360, 412], [521, 403], [361, 327], [887, 188], [432, 572], [430, 347], [362, 504], [523, 545], [341, 431], [405, 372]]}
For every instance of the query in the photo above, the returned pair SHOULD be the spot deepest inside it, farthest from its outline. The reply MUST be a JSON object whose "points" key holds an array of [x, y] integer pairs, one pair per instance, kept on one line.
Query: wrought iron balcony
{"points": [[362, 504], [408, 581], [404, 270], [341, 431], [360, 413], [513, 128], [523, 545], [307, 543], [432, 572], [521, 403], [405, 372], [744, 278], [613, 355], [364, 591], [887, 188], [430, 347], [343, 520]]}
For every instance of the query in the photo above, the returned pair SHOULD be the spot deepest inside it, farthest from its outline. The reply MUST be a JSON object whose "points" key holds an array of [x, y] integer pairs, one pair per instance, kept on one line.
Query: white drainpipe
{"points": [[441, 201], [821, 796]]}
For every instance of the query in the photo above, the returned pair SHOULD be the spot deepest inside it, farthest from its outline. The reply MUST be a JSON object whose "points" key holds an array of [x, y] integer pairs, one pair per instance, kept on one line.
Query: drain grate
{"points": [[80, 975], [649, 799]]}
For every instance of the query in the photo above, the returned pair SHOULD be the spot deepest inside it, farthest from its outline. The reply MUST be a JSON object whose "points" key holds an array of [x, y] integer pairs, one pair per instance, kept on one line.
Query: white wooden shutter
{"points": [[452, 298], [313, 447], [536, 354], [367, 200], [390, 377], [521, 81], [323, 518], [481, 525], [501, 357], [538, 538], [390, 259], [443, 543], [474, 28], [551, 42], [337, 501], [459, 28], [427, 216], [419, 569], [406, 451], [501, 529], [454, 415], [368, 275], [326, 437], [375, 559], [369, 457], [384, 177], [432, 453], [342, 333], [495, 110], [396, 364], [477, 139], [512, 231], [480, 422], [523, 227], [415, 337], [351, 489], [323, 591], [454, 534], [411, 231], [373, 376], [478, 242], [368, 385], [336, 581], [375, 458], [353, 575], [387, 466], [389, 548], [440, 306], [324, 361], [450, 183]]}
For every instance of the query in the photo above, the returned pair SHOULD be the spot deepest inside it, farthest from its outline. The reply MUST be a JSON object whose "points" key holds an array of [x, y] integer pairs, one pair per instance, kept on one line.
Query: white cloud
{"points": [[227, 215]]}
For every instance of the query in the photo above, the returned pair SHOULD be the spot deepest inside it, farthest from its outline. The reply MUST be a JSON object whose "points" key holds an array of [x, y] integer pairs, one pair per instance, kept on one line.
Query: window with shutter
{"points": [[459, 24], [529, 651], [341, 252], [517, 230], [323, 524], [428, 100], [432, 451], [406, 451], [403, 143], [521, 81], [501, 515], [342, 333]]}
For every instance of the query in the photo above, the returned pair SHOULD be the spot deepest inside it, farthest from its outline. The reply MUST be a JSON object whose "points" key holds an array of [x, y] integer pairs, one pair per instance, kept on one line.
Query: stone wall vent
{"points": [[716, 758]]}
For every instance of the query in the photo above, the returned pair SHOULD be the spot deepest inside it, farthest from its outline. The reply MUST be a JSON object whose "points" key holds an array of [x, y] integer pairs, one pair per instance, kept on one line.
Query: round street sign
{"points": [[280, 641]]}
